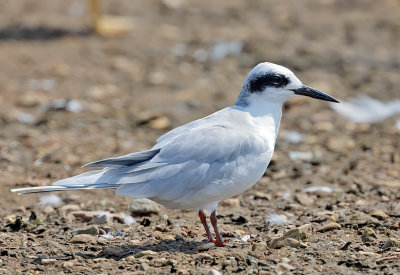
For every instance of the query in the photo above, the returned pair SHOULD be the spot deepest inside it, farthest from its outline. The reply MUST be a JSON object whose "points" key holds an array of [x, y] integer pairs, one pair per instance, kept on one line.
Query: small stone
{"points": [[83, 238], [368, 253], [368, 234], [144, 266], [279, 243], [103, 219], [329, 227], [263, 196], [334, 217], [391, 243], [240, 232], [102, 240], [168, 238], [48, 209], [144, 207], [145, 253], [379, 214], [213, 272], [68, 208], [160, 122], [135, 242], [388, 258], [300, 233], [202, 256], [47, 261], [84, 216], [304, 199], [161, 262], [283, 268], [234, 202], [226, 263], [11, 218], [182, 272], [68, 264], [93, 230], [206, 246], [259, 247]]}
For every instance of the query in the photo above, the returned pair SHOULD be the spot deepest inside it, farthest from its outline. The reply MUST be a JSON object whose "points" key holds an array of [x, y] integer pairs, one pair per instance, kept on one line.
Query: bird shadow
{"points": [[123, 251], [39, 33]]}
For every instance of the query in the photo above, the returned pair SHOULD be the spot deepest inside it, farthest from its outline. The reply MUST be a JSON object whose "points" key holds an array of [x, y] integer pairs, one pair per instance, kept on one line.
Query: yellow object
{"points": [[108, 25]]}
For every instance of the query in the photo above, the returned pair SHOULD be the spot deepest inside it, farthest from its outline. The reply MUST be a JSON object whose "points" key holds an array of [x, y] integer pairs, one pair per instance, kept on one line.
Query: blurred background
{"points": [[85, 80]]}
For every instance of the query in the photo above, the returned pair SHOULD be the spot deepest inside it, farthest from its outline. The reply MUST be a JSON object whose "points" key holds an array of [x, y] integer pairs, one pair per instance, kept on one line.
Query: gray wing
{"points": [[189, 162], [126, 160]]}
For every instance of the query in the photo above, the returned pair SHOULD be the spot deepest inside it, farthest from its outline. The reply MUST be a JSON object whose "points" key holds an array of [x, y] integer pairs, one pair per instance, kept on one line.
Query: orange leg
{"points": [[218, 241], [203, 219]]}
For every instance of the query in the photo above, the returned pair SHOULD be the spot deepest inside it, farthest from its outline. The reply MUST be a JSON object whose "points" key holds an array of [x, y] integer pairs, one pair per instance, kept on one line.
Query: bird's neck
{"points": [[260, 108], [264, 112]]}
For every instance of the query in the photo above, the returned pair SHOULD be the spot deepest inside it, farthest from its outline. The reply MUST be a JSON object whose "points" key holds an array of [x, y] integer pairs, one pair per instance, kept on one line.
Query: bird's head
{"points": [[275, 83]]}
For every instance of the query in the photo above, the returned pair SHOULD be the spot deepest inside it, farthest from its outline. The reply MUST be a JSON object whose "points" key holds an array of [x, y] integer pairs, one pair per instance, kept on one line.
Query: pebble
{"points": [[304, 199], [202, 256], [102, 240], [226, 263], [334, 217], [83, 238], [391, 243], [379, 214], [48, 209], [103, 219], [368, 253], [283, 268], [168, 238], [145, 253], [144, 266], [368, 234], [281, 242], [240, 232], [85, 216], [300, 233], [69, 207], [206, 246], [388, 258], [47, 261], [93, 230], [160, 262], [329, 227], [144, 207], [68, 264], [10, 218], [263, 196], [213, 272], [234, 202], [161, 122], [259, 247]]}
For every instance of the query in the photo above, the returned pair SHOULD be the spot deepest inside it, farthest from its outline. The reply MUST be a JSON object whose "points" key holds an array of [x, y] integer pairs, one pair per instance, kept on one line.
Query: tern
{"points": [[197, 165]]}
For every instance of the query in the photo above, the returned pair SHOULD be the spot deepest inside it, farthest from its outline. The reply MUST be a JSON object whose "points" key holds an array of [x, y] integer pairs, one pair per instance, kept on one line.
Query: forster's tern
{"points": [[197, 165]]}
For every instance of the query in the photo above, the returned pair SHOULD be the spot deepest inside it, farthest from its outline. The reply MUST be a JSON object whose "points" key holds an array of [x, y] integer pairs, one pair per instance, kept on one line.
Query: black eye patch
{"points": [[259, 83]]}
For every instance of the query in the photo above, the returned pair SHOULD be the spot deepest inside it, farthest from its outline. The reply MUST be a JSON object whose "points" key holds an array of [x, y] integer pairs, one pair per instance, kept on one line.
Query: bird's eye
{"points": [[275, 79]]}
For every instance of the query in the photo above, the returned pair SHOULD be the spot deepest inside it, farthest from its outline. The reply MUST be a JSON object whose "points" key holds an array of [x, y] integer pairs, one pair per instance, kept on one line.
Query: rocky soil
{"points": [[329, 201]]}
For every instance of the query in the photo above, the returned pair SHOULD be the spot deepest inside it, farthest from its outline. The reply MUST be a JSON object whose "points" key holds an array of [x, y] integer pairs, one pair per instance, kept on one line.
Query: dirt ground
{"points": [[69, 96]]}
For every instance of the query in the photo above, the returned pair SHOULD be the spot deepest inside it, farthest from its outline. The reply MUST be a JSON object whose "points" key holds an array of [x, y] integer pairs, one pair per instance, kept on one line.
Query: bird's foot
{"points": [[219, 243]]}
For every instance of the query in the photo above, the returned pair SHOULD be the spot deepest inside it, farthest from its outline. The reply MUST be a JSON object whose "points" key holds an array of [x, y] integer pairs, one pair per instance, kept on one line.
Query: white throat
{"points": [[264, 112]]}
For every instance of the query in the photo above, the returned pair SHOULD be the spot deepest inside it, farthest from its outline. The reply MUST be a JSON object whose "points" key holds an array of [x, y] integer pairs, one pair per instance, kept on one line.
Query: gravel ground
{"points": [[327, 204]]}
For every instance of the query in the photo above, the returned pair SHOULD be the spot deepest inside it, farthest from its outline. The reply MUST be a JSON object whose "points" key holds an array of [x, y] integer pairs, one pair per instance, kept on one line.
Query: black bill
{"points": [[308, 91]]}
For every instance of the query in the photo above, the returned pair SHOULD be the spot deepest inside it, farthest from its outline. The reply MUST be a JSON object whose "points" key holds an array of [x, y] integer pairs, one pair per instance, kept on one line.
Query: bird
{"points": [[199, 164]]}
